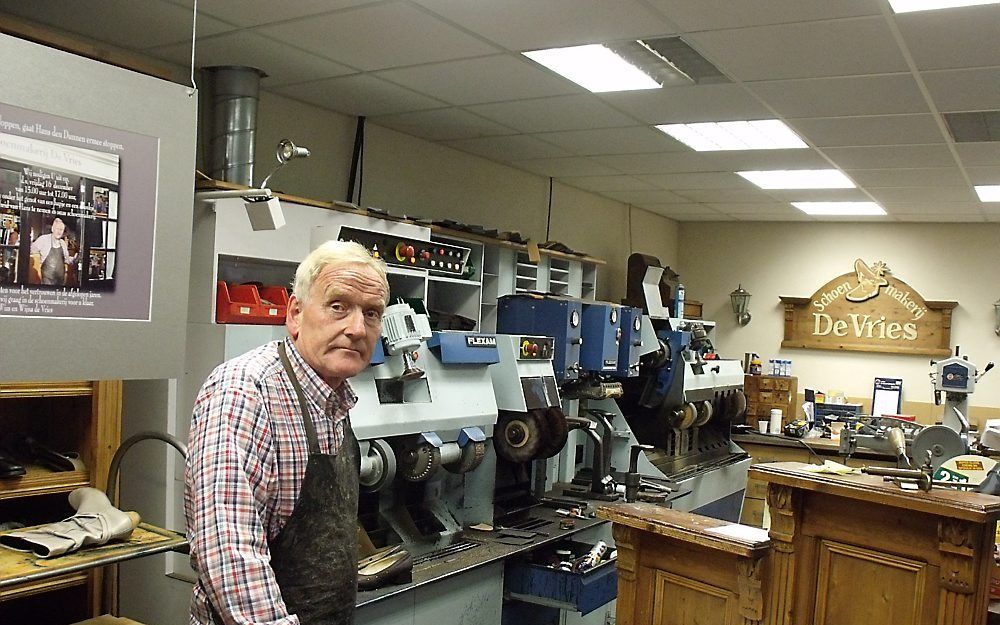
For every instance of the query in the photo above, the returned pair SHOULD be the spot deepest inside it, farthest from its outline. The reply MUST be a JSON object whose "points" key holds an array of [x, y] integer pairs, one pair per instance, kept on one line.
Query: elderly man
{"points": [[53, 254], [272, 476]]}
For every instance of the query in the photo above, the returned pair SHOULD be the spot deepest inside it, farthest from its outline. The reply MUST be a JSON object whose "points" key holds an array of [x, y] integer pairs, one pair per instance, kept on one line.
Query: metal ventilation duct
{"points": [[231, 117]]}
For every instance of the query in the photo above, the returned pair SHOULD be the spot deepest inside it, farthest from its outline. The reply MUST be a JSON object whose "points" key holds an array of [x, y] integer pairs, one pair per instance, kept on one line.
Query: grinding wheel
{"points": [[737, 405], [472, 455], [519, 436], [704, 412], [558, 432], [684, 416], [383, 466], [417, 463], [942, 442]]}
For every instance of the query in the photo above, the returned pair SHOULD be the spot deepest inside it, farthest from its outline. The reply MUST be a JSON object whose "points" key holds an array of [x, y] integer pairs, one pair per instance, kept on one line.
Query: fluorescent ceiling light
{"points": [[839, 208], [908, 6], [988, 192], [594, 67], [761, 134], [798, 179]]}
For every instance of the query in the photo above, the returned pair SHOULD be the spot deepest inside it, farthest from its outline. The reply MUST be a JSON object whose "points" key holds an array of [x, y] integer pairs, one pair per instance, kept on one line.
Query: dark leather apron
{"points": [[54, 265], [315, 555]]}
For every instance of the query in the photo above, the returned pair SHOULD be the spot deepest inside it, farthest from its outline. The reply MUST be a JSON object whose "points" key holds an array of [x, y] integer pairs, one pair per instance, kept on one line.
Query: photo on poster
{"points": [[59, 198]]}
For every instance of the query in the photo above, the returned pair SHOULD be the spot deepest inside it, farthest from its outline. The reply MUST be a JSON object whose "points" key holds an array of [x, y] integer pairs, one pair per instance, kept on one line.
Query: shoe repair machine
{"points": [[914, 444], [654, 399]]}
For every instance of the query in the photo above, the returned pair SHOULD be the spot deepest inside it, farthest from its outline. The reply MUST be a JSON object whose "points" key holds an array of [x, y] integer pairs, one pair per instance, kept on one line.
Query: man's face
{"points": [[58, 228], [336, 329]]}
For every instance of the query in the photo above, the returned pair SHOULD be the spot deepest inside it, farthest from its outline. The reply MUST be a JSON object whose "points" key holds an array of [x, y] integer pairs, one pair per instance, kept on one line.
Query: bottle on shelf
{"points": [[679, 302]]}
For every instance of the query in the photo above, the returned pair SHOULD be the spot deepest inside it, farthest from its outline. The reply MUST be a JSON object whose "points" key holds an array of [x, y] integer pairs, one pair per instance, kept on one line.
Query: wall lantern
{"points": [[741, 299]]}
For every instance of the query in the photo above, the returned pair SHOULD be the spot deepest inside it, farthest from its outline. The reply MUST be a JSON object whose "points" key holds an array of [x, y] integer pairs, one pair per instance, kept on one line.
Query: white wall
{"points": [[941, 261]]}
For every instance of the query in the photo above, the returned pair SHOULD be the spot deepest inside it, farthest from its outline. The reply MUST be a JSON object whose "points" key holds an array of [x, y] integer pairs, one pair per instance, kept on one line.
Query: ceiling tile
{"points": [[282, 64], [872, 157], [664, 163], [965, 90], [874, 130], [529, 24], [498, 78], [684, 212], [693, 15], [741, 196], [443, 124], [658, 196], [716, 180], [742, 160], [378, 37], [701, 103], [550, 114], [942, 217], [794, 215], [359, 94], [958, 38], [608, 183], [255, 12], [752, 208], [984, 175], [510, 148], [634, 140], [804, 50], [839, 97], [874, 178], [819, 195], [565, 167], [979, 154], [930, 207], [125, 23], [926, 194]]}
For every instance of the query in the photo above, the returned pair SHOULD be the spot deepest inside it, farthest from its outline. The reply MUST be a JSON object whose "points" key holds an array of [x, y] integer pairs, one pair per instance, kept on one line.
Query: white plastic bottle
{"points": [[679, 302]]}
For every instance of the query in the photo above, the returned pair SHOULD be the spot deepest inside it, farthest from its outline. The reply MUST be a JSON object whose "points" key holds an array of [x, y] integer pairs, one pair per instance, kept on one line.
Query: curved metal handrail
{"points": [[116, 460]]}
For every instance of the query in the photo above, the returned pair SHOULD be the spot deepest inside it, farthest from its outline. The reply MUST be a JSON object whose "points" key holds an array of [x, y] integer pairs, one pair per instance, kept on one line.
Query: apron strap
{"points": [[303, 405]]}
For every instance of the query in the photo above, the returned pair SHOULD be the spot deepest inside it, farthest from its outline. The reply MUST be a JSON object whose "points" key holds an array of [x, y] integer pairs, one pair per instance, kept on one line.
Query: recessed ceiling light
{"points": [[760, 134], [846, 209], [594, 67], [988, 192], [908, 6], [798, 179]]}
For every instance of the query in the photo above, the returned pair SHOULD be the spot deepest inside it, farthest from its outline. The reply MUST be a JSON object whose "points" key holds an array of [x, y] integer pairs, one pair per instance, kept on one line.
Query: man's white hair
{"points": [[335, 253]]}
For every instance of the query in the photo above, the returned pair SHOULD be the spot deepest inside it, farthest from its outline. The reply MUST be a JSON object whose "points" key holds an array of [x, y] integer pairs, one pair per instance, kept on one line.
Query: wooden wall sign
{"points": [[868, 310]]}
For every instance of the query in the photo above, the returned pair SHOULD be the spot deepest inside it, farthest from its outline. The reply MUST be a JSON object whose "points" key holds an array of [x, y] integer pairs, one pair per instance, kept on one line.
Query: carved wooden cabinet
{"points": [[674, 569], [855, 549]]}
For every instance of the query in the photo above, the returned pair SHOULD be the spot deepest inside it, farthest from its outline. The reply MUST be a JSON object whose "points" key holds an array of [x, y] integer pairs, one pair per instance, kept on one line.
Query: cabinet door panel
{"points": [[858, 585], [679, 600]]}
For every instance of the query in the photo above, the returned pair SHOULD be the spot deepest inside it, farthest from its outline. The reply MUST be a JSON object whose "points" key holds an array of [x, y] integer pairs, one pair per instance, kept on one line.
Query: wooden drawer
{"points": [[765, 397], [767, 384], [782, 384]]}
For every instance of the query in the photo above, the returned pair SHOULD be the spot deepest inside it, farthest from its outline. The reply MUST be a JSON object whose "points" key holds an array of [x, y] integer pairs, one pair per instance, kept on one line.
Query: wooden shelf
{"points": [[450, 280], [42, 481], [46, 585], [19, 570], [46, 389]]}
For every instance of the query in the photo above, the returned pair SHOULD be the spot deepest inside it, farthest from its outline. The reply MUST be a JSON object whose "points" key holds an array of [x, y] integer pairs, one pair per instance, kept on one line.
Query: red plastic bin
{"points": [[244, 303]]}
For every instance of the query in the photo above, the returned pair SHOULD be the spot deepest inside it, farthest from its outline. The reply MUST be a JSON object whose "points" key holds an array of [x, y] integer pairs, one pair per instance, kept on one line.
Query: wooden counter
{"points": [[857, 549], [675, 567]]}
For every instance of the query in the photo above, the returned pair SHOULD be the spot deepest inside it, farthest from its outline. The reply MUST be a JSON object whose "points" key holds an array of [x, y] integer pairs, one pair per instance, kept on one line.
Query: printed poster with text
{"points": [[77, 218]]}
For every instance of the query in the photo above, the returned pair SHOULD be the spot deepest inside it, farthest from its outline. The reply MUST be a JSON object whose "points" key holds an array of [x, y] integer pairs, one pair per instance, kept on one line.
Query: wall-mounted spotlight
{"points": [[263, 209], [741, 300], [996, 310]]}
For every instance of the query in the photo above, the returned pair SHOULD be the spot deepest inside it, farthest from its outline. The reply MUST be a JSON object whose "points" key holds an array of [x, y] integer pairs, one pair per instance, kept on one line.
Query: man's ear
{"points": [[293, 317]]}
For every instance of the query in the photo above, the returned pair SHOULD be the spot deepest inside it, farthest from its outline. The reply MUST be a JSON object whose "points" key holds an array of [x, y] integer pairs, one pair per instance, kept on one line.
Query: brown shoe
{"points": [[395, 568]]}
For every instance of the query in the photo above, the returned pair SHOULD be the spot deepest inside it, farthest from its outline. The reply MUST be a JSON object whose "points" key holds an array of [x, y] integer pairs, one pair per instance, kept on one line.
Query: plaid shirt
{"points": [[247, 455]]}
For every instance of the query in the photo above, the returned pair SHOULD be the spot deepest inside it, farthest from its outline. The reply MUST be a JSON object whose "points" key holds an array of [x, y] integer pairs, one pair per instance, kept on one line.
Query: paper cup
{"points": [[762, 426]]}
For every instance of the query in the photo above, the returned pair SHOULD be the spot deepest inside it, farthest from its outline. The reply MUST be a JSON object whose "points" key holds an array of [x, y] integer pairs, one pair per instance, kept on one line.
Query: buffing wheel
{"points": [[472, 455], [738, 405], [704, 413], [418, 462], [558, 432], [519, 436]]}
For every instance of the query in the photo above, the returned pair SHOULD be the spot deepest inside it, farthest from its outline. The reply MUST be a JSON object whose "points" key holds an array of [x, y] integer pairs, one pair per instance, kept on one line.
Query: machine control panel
{"points": [[956, 376], [536, 348], [402, 251]]}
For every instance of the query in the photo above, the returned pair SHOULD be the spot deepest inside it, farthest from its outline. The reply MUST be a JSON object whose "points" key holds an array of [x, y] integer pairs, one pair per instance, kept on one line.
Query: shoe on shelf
{"points": [[27, 449], [394, 568], [9, 468]]}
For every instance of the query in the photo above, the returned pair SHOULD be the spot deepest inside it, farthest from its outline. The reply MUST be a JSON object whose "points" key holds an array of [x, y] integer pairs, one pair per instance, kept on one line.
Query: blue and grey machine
{"points": [[425, 414]]}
